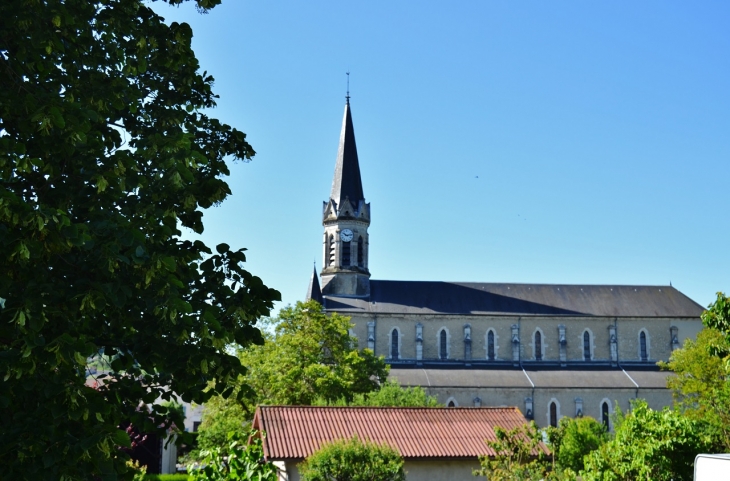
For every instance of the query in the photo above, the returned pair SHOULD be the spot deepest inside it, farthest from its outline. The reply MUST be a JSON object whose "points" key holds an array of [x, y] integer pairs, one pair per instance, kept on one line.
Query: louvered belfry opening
{"points": [[586, 346], [360, 257], [331, 257], [538, 346]]}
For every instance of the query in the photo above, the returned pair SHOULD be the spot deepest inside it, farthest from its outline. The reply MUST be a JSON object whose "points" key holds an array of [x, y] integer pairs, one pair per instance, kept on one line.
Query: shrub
{"points": [[236, 462], [168, 477], [353, 460]]}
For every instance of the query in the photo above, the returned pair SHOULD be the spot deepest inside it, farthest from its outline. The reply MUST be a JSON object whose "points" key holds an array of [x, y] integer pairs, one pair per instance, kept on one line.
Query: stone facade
{"points": [[658, 335]]}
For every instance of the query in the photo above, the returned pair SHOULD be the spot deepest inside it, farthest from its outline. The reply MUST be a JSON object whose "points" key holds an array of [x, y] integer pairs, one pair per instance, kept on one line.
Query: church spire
{"points": [[346, 217], [313, 292], [347, 183]]}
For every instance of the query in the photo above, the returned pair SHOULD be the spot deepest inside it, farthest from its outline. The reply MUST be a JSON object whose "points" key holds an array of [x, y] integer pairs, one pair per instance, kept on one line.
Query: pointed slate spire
{"points": [[346, 182], [314, 292]]}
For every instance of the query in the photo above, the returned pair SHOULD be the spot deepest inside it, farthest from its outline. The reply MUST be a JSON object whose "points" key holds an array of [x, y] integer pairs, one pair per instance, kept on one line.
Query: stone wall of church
{"points": [[628, 330], [590, 401]]}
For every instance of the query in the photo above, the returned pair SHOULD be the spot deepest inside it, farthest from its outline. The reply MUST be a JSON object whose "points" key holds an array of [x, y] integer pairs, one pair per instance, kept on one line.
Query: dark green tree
{"points": [[353, 460], [105, 155]]}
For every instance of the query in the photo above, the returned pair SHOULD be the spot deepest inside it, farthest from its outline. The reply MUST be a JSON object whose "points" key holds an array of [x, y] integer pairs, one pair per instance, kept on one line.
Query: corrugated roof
{"points": [[295, 432], [430, 297]]}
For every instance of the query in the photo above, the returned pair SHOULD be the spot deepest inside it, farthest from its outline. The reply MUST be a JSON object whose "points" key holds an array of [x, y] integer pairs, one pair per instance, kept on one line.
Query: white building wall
{"points": [[416, 470]]}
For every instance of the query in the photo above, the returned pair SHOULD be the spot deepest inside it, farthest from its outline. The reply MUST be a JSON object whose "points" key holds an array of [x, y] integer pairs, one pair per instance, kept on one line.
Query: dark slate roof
{"points": [[346, 182], [313, 291], [542, 378], [430, 297]]}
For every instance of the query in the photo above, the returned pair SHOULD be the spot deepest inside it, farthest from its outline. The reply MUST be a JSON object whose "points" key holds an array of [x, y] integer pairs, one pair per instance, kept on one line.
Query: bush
{"points": [[168, 477], [236, 462], [573, 439], [353, 460]]}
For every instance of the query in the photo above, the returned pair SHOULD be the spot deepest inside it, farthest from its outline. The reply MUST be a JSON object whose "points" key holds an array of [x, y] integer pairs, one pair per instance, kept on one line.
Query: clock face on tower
{"points": [[346, 235]]}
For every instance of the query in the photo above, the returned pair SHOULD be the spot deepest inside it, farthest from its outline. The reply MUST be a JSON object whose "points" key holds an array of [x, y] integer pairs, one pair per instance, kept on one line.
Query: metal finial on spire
{"points": [[347, 97]]}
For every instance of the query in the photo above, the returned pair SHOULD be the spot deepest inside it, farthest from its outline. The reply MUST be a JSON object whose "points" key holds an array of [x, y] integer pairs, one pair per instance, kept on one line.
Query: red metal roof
{"points": [[295, 432]]}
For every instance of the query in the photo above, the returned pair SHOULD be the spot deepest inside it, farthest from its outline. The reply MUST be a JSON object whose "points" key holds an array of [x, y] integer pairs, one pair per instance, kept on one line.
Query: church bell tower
{"points": [[346, 217]]}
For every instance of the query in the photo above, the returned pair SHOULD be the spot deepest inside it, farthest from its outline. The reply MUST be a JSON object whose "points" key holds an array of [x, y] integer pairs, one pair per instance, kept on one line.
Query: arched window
{"points": [[331, 256], [443, 353], [394, 344], [586, 346], [642, 344], [538, 346], [360, 257], [345, 254], [490, 345], [553, 414], [604, 414], [451, 403]]}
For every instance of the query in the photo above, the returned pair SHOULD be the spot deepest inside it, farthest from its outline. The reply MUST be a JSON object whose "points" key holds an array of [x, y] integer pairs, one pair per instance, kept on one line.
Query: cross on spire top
{"points": [[347, 97]]}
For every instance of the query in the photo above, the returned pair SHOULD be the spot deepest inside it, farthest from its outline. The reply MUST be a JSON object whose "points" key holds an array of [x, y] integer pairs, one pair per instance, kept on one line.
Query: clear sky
{"points": [[554, 142]]}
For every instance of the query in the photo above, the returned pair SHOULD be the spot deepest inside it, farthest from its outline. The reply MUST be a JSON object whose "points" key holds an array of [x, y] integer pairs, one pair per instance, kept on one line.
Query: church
{"points": [[552, 350]]}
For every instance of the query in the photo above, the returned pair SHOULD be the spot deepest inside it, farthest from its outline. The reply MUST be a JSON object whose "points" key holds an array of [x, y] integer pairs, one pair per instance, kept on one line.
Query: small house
{"points": [[436, 443]]}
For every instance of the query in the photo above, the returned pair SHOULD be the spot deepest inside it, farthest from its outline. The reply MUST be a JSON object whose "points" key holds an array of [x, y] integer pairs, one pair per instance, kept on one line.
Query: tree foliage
{"points": [[389, 394], [353, 460], [717, 316], [220, 418], [649, 445], [310, 356], [105, 154], [241, 459], [573, 439], [700, 385], [520, 455]]}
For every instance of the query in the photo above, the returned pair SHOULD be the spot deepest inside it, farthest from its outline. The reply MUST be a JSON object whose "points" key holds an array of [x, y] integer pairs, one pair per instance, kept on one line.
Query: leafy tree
{"points": [[649, 445], [242, 459], [105, 154], [520, 456], [573, 439], [310, 356], [390, 394], [220, 417], [353, 460], [717, 316], [701, 386]]}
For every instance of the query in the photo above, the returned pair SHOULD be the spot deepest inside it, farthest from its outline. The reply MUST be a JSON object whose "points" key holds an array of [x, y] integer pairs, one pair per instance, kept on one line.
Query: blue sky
{"points": [[537, 142]]}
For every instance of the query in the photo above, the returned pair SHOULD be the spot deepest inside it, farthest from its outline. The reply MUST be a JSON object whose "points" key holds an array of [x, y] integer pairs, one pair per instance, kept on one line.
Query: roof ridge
{"points": [[436, 408], [527, 283]]}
